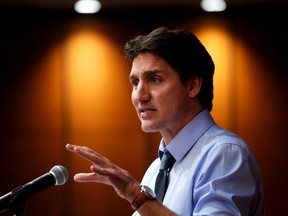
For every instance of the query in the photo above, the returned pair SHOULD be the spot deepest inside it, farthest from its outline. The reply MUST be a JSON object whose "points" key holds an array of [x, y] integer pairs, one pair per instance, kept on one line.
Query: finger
{"points": [[85, 177], [78, 149], [90, 155], [70, 147], [84, 152], [73, 148]]}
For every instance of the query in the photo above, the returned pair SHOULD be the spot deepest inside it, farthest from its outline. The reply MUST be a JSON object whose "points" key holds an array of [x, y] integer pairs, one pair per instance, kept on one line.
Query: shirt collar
{"points": [[188, 136]]}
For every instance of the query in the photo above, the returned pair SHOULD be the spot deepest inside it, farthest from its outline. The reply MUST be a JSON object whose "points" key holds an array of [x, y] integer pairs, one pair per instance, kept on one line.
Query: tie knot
{"points": [[167, 161]]}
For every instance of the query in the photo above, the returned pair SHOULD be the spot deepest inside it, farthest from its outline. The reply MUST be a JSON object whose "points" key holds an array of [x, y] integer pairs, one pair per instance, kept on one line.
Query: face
{"points": [[161, 100]]}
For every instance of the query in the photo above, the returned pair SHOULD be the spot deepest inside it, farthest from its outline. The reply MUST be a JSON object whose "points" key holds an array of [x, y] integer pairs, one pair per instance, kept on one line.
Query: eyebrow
{"points": [[145, 74]]}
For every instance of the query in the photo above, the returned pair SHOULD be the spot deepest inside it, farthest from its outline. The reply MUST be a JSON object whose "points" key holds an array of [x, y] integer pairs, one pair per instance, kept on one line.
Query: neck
{"points": [[169, 133]]}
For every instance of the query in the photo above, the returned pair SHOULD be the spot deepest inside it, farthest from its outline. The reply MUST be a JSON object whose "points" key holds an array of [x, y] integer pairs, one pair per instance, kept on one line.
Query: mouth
{"points": [[146, 114], [144, 110]]}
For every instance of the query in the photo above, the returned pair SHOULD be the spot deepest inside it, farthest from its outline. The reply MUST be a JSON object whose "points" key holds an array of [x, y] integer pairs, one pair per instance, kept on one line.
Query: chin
{"points": [[148, 129]]}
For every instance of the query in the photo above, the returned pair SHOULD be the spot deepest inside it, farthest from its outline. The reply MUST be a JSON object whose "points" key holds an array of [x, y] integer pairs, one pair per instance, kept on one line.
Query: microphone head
{"points": [[60, 174]]}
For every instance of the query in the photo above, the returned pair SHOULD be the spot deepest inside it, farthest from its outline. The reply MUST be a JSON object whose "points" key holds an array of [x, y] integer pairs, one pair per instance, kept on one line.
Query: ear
{"points": [[194, 86]]}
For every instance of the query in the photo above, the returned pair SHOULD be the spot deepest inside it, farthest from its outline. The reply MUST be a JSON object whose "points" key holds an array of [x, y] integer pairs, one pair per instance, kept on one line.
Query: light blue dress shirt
{"points": [[215, 172]]}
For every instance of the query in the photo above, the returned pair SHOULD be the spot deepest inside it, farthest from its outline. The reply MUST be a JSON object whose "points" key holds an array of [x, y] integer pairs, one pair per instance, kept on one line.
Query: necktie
{"points": [[162, 179]]}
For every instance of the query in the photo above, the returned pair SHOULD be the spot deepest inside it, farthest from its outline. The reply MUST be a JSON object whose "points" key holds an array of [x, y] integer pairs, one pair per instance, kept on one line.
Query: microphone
{"points": [[58, 175]]}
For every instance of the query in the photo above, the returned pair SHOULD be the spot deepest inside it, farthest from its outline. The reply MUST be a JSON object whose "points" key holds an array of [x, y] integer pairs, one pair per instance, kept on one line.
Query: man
{"points": [[213, 171]]}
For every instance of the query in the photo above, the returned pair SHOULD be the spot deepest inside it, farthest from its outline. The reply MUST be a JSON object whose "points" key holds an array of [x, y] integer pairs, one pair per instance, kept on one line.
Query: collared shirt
{"points": [[215, 172]]}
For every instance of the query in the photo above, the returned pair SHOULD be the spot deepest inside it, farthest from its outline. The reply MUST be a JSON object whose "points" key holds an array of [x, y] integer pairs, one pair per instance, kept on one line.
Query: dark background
{"points": [[36, 118]]}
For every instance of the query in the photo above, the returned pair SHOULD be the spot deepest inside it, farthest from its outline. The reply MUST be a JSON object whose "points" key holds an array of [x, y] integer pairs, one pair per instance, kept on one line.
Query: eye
{"points": [[134, 82], [156, 79]]}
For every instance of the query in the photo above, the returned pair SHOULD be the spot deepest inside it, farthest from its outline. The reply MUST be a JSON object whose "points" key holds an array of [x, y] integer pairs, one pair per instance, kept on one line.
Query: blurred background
{"points": [[63, 80]]}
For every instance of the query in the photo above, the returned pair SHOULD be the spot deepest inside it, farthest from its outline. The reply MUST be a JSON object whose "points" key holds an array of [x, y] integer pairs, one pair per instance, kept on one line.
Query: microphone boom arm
{"points": [[16, 200], [18, 204]]}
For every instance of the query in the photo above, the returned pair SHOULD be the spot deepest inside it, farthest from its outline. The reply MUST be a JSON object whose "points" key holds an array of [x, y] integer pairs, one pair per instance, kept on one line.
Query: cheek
{"points": [[133, 99], [173, 101]]}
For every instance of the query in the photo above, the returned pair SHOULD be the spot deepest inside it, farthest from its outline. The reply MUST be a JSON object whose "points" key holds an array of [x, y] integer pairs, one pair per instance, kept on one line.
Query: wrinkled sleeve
{"points": [[226, 182]]}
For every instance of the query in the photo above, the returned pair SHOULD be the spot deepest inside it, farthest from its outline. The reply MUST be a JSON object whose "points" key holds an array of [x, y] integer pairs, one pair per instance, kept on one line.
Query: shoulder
{"points": [[217, 137], [220, 146]]}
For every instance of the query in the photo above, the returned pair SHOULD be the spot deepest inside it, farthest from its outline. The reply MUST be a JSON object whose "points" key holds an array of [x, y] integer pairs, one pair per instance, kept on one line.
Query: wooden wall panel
{"points": [[63, 80]]}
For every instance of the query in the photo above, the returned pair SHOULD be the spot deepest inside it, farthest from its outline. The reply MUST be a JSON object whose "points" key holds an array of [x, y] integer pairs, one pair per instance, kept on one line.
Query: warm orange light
{"points": [[220, 45], [94, 82]]}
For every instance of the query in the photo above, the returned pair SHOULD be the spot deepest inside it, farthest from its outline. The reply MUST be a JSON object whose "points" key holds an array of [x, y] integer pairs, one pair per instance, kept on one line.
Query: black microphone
{"points": [[58, 175]]}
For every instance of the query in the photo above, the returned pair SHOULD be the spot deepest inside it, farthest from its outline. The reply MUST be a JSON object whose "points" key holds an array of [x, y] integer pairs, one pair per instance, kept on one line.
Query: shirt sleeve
{"points": [[226, 182]]}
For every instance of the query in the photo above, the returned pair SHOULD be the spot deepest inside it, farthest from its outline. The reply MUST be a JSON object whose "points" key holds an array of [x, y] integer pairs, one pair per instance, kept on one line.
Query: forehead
{"points": [[148, 62]]}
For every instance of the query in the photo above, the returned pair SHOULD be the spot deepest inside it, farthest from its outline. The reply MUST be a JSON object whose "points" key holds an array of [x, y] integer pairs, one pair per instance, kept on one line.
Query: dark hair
{"points": [[183, 51]]}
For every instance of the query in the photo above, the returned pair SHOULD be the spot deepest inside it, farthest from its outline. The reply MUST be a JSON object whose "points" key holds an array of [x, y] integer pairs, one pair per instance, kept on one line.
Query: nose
{"points": [[141, 93]]}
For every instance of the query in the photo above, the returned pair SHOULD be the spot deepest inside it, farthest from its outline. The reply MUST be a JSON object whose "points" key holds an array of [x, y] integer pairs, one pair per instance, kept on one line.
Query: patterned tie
{"points": [[162, 179]]}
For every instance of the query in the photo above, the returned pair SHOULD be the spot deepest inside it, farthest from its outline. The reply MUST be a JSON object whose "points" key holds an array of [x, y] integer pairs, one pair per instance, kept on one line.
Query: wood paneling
{"points": [[64, 80]]}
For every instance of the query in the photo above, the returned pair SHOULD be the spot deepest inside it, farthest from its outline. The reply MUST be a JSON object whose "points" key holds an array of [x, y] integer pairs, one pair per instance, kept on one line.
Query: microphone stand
{"points": [[18, 210], [18, 204]]}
